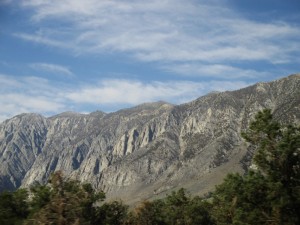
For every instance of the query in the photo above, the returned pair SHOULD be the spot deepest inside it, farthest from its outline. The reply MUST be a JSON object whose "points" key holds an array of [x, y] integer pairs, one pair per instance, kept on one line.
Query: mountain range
{"points": [[148, 150]]}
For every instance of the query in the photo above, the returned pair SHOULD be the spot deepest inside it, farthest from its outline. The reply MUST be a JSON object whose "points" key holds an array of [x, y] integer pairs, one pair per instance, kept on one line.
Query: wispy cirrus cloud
{"points": [[39, 95], [132, 92], [166, 32], [52, 68], [28, 94], [44, 39], [214, 71]]}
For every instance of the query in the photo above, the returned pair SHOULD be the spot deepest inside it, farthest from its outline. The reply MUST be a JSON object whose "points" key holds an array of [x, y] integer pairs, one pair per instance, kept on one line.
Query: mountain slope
{"points": [[144, 151]]}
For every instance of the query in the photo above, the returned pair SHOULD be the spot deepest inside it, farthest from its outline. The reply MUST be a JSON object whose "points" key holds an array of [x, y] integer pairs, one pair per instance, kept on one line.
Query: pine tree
{"points": [[69, 202], [278, 157], [271, 193]]}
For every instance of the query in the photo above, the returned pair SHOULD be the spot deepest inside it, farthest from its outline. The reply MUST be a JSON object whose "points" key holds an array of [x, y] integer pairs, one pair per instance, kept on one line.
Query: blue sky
{"points": [[87, 55]]}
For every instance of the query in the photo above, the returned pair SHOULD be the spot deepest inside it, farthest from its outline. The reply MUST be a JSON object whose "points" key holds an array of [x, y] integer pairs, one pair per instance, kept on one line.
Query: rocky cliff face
{"points": [[147, 150]]}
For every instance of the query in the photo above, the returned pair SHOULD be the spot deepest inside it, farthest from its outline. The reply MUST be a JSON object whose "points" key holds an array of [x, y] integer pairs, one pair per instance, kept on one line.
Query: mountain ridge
{"points": [[147, 150]]}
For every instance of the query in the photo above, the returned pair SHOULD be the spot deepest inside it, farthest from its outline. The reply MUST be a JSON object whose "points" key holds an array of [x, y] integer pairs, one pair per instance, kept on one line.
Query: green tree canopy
{"points": [[271, 193], [63, 202]]}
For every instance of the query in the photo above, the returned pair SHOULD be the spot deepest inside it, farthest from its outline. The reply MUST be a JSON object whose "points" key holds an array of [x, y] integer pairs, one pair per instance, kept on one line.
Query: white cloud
{"points": [[33, 94], [28, 103], [8, 82], [185, 31], [28, 94], [43, 39], [53, 68], [130, 92], [214, 71], [136, 92]]}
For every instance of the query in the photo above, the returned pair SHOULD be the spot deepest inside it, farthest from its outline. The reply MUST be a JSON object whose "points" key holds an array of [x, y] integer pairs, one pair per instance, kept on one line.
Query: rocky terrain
{"points": [[148, 150]]}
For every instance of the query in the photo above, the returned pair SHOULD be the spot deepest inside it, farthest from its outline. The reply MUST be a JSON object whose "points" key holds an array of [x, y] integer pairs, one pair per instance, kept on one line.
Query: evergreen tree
{"points": [[178, 208], [278, 157], [69, 202], [41, 195], [13, 207], [271, 193], [113, 213], [148, 213]]}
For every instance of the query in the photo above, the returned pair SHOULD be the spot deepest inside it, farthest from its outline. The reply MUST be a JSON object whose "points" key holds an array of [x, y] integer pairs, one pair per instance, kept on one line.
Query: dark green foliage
{"points": [[63, 202], [148, 213], [242, 200], [178, 208], [278, 148], [269, 194], [174, 207], [198, 212], [13, 207], [278, 158], [111, 213], [41, 197]]}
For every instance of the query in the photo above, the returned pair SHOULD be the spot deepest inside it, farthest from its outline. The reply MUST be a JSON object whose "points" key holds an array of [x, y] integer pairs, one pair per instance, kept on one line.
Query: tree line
{"points": [[269, 194]]}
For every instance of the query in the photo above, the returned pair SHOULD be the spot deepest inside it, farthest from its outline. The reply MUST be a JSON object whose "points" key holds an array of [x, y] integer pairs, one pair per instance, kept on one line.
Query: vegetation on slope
{"points": [[269, 194]]}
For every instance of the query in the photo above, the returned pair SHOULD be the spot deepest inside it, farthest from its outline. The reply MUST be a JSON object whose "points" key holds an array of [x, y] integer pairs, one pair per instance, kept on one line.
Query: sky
{"points": [[88, 55]]}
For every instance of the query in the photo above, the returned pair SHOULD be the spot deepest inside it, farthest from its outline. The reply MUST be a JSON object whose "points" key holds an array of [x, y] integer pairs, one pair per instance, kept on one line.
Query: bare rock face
{"points": [[22, 140], [145, 151]]}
